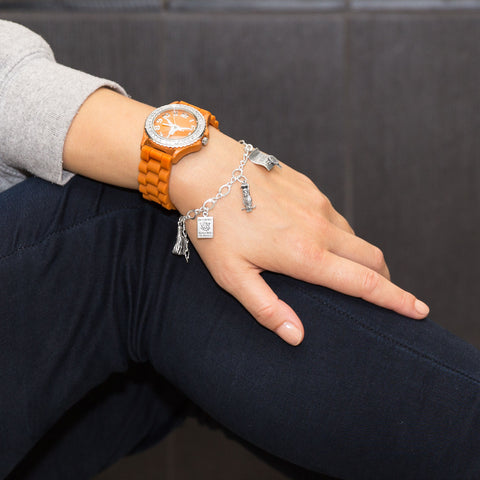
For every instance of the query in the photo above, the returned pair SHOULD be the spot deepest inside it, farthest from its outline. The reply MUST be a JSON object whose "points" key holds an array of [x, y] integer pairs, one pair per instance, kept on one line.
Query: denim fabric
{"points": [[89, 287]]}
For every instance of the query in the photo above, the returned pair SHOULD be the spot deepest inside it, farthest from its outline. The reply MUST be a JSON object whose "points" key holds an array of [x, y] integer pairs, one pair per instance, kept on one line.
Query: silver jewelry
{"points": [[260, 158], [204, 221], [246, 198], [205, 227]]}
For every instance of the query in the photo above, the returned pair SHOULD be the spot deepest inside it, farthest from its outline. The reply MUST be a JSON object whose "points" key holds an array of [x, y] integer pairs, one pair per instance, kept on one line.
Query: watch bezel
{"points": [[175, 142]]}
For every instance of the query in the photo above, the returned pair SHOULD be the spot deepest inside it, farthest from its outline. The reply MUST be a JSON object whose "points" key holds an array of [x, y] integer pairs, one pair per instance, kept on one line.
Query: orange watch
{"points": [[171, 132]]}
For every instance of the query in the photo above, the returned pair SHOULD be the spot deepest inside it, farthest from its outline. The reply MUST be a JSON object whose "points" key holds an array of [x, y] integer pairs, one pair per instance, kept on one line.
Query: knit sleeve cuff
{"points": [[39, 102]]}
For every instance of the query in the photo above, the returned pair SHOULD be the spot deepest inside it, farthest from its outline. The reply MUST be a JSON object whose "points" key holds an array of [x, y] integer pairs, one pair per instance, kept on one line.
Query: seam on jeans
{"points": [[392, 340], [66, 229]]}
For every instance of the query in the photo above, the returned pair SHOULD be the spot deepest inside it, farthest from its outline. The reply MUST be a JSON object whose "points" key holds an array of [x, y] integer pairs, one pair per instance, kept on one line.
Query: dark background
{"points": [[378, 101]]}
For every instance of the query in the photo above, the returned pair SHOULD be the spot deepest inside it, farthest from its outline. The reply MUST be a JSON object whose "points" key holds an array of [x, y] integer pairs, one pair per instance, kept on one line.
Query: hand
{"points": [[294, 231]]}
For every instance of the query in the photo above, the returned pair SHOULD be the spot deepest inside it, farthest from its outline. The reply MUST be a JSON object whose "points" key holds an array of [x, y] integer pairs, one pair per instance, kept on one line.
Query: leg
{"points": [[60, 337], [126, 414], [361, 398], [369, 394]]}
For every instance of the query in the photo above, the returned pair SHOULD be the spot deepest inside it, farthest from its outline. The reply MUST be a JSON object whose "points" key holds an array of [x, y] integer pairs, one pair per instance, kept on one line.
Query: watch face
{"points": [[175, 125]]}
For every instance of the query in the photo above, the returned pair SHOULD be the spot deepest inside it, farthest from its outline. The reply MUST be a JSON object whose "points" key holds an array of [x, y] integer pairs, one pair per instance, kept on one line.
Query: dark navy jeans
{"points": [[89, 289]]}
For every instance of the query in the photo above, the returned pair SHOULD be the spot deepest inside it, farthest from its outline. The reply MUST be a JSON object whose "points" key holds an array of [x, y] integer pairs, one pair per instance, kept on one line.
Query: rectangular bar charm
{"points": [[204, 227]]}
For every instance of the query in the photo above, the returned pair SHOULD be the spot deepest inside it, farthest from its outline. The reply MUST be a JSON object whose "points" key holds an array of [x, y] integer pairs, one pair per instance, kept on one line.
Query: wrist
{"points": [[103, 139], [198, 175]]}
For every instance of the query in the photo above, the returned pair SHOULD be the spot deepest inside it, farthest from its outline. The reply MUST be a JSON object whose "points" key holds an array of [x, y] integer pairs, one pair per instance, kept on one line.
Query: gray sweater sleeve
{"points": [[38, 100]]}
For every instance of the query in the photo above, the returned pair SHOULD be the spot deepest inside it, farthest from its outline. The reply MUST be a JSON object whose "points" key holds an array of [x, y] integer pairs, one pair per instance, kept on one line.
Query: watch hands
{"points": [[174, 127], [173, 130]]}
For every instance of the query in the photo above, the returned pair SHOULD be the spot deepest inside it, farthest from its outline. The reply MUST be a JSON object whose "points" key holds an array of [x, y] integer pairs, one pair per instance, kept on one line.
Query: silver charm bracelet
{"points": [[204, 221]]}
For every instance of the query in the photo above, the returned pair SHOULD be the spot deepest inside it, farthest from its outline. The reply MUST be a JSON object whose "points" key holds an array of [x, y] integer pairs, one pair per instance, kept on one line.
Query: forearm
{"points": [[39, 98], [104, 138], [103, 143]]}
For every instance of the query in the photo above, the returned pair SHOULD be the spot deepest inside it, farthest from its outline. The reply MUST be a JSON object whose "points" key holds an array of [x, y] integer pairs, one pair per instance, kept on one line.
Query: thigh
{"points": [[369, 394], [68, 294], [89, 285], [128, 413]]}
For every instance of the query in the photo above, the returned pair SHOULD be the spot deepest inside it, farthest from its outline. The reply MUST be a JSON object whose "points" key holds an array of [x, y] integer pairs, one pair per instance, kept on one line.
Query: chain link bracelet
{"points": [[204, 221]]}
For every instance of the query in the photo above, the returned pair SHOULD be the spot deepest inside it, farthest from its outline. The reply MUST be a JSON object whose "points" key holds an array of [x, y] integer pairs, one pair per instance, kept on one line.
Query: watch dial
{"points": [[175, 123]]}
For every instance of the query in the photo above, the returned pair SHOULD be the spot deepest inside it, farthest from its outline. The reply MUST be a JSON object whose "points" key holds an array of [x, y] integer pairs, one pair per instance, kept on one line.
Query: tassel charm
{"points": [[181, 244]]}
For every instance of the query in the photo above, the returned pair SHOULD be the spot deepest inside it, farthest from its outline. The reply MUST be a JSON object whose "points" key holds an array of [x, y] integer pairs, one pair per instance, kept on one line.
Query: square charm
{"points": [[204, 227]]}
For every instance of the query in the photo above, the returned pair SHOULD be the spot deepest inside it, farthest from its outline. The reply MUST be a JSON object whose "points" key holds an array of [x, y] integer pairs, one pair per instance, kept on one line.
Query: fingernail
{"points": [[421, 307], [290, 333]]}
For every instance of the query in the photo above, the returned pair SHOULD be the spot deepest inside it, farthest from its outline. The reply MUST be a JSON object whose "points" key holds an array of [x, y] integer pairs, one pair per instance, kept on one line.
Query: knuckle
{"points": [[386, 274], [223, 281], [346, 225], [307, 180], [378, 258], [322, 224], [265, 311], [370, 281], [265, 314], [405, 301], [308, 251], [322, 202], [299, 245], [317, 256], [225, 277]]}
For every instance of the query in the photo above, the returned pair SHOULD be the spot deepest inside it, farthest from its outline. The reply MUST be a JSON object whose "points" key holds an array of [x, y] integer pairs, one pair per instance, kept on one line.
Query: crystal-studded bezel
{"points": [[175, 142]]}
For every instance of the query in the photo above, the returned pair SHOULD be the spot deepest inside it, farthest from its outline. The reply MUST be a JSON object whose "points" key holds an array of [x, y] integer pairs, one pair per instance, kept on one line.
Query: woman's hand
{"points": [[293, 230]]}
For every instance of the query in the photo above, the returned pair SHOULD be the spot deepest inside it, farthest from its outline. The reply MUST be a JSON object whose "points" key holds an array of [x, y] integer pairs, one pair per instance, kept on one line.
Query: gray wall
{"points": [[387, 93]]}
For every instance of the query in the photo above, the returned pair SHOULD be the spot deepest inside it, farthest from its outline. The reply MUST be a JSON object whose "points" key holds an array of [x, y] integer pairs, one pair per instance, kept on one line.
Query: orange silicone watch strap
{"points": [[154, 175]]}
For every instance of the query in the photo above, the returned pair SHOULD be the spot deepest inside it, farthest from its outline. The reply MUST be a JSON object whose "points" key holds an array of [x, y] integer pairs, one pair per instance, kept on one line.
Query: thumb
{"points": [[251, 290]]}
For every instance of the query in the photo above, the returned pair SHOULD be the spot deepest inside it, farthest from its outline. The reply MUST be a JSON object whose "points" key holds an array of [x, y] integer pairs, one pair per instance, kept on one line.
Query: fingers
{"points": [[341, 240], [349, 246], [340, 222], [353, 279], [251, 290]]}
